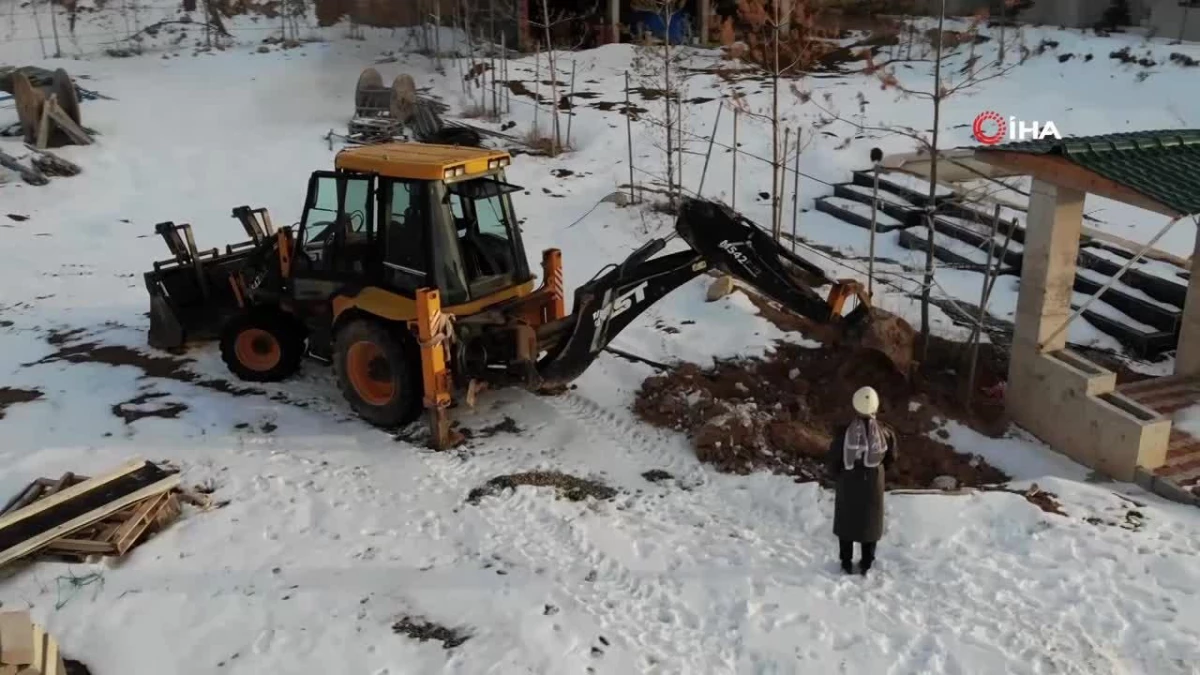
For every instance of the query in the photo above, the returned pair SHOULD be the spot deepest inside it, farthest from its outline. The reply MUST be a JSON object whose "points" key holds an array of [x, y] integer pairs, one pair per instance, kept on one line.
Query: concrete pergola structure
{"points": [[1069, 402]]}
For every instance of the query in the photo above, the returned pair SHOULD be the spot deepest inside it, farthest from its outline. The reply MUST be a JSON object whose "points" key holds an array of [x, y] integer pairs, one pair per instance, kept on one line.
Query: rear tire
{"points": [[378, 373], [262, 346]]}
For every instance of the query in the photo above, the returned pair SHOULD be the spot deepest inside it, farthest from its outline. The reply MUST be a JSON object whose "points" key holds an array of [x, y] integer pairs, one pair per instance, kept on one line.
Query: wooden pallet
{"points": [[110, 526]]}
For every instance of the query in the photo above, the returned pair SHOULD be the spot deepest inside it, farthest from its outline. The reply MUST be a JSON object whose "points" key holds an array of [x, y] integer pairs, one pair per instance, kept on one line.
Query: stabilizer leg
{"points": [[432, 334]]}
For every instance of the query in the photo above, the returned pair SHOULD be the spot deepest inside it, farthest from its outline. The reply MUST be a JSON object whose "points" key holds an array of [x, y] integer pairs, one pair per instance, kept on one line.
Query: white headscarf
{"points": [[864, 440]]}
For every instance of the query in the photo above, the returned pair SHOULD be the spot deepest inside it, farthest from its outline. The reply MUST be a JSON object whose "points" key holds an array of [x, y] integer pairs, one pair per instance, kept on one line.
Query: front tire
{"points": [[262, 346], [378, 373]]}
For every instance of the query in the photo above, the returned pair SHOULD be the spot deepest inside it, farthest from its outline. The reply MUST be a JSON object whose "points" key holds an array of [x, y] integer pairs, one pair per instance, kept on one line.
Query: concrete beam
{"points": [[1048, 272], [1187, 354]]}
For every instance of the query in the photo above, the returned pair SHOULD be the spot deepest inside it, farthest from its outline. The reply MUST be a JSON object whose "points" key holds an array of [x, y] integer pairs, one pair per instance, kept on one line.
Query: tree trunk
{"points": [[927, 286]]}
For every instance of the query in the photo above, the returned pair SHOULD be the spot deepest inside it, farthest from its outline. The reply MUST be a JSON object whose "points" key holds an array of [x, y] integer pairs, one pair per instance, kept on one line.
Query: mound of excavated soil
{"points": [[571, 488], [778, 414]]}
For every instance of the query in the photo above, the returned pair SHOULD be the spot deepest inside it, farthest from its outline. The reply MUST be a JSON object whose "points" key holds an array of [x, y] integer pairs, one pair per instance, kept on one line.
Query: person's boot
{"points": [[868, 558], [846, 553]]}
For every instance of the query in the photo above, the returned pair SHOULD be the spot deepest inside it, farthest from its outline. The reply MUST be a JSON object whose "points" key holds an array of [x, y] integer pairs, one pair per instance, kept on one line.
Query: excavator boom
{"points": [[719, 238]]}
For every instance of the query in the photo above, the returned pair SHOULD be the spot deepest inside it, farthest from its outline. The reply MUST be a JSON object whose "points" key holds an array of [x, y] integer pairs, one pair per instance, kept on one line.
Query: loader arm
{"points": [[718, 239]]}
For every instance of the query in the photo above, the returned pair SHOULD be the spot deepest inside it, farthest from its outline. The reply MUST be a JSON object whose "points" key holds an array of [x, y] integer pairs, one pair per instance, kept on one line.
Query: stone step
{"points": [[911, 188], [889, 203], [1143, 341], [950, 250], [1136, 389], [1130, 301], [857, 213], [1153, 279], [980, 235]]}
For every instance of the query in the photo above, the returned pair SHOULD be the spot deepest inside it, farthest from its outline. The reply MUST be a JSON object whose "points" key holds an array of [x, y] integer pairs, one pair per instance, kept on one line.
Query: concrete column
{"points": [[614, 21], [1048, 270], [1187, 354]]}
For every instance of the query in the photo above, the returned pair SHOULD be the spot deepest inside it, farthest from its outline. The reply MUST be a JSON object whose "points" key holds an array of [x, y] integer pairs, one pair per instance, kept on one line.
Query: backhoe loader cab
{"points": [[405, 216]]}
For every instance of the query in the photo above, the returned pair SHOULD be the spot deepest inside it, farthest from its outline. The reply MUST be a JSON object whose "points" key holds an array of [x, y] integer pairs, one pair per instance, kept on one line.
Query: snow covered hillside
{"points": [[335, 531]]}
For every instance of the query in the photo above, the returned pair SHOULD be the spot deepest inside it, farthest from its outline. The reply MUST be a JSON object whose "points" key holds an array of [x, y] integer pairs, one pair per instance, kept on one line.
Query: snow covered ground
{"points": [[334, 530]]}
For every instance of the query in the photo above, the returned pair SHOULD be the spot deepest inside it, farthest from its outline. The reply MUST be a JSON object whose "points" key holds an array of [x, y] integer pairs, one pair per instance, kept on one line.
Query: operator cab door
{"points": [[405, 210], [337, 231]]}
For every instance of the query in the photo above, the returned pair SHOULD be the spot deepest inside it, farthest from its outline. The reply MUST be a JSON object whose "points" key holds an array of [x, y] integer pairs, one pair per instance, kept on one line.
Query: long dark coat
{"points": [[858, 507]]}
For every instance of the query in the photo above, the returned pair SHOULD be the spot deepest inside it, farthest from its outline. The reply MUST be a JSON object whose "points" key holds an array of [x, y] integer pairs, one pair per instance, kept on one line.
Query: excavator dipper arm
{"points": [[718, 238]]}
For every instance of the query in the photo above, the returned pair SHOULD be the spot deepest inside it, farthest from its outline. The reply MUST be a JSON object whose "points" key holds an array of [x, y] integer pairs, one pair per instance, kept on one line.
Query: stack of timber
{"points": [[26, 648], [77, 517]]}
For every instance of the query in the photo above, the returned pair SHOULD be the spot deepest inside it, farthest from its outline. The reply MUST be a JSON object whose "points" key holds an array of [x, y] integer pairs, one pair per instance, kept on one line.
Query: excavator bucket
{"points": [[890, 337]]}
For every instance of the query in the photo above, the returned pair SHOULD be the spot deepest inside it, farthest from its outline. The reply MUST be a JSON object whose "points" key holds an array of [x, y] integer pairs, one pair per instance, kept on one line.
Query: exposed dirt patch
{"points": [[17, 217], [779, 414], [568, 487], [424, 630], [12, 396], [620, 107], [143, 406], [74, 348], [657, 476], [505, 426]]}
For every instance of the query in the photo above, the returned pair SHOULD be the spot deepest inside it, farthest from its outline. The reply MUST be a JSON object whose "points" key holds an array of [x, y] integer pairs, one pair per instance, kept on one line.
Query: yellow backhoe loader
{"points": [[408, 274]]}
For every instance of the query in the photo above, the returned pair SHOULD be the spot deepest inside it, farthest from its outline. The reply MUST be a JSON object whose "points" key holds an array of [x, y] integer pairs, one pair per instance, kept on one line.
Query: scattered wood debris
{"points": [[26, 648], [80, 518]]}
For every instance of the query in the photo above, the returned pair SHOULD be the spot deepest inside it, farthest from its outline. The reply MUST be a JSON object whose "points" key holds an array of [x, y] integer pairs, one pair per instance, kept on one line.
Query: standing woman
{"points": [[858, 455]]}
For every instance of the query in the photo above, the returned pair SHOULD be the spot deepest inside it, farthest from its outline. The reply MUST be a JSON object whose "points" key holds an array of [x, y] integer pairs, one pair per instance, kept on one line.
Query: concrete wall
{"points": [[1067, 401], [1164, 17]]}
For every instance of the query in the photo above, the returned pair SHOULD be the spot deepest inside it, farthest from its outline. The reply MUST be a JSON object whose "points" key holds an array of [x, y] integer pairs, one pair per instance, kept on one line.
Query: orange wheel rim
{"points": [[370, 373], [257, 349]]}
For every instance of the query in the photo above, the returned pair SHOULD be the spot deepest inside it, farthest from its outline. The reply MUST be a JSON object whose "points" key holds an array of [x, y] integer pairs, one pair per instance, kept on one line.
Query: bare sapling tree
{"points": [[550, 24], [784, 39], [658, 66]]}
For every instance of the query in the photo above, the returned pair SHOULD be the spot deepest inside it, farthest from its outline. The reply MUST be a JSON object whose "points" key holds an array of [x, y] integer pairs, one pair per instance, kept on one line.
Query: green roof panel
{"points": [[1163, 165]]}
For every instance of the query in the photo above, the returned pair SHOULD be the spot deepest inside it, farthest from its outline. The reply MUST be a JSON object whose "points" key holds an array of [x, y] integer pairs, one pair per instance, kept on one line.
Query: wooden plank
{"points": [[79, 136], [50, 659], [39, 650], [16, 638], [30, 545], [66, 545], [69, 494], [43, 133], [131, 529]]}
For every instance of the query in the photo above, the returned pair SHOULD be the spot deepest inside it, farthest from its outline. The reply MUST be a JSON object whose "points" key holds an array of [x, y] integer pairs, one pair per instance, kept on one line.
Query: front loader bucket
{"points": [[166, 332], [192, 294]]}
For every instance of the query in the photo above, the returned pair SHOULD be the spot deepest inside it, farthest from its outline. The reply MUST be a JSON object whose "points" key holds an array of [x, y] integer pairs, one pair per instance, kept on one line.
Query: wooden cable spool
{"points": [[366, 92], [403, 103], [68, 96], [29, 100]]}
